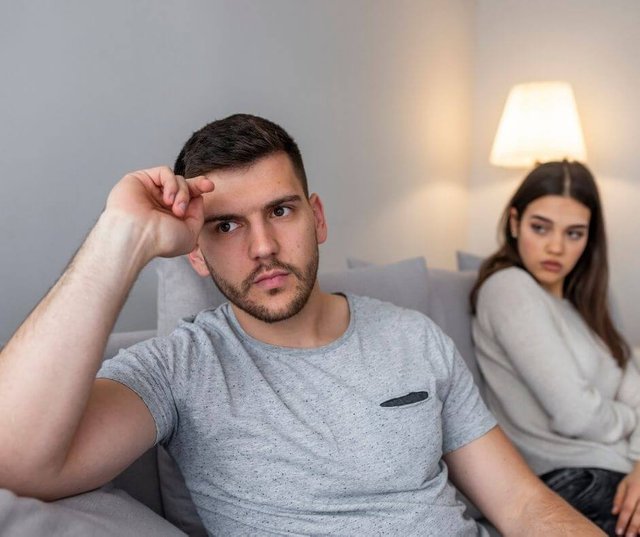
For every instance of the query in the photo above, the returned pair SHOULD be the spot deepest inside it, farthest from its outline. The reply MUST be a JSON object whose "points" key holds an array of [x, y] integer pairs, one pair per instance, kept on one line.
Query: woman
{"points": [[559, 376]]}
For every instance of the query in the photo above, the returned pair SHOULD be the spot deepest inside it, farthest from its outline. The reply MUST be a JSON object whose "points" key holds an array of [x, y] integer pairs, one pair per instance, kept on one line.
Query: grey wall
{"points": [[377, 93], [593, 45]]}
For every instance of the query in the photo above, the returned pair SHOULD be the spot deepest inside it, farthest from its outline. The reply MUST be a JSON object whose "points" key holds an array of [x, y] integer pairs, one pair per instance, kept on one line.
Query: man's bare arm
{"points": [[493, 475], [54, 416]]}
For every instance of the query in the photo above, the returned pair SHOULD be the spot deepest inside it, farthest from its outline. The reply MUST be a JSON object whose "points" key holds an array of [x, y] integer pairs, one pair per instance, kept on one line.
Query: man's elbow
{"points": [[26, 477]]}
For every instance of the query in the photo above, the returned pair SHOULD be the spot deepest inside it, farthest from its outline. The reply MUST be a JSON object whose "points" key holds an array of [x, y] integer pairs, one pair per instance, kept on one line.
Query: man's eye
{"points": [[226, 227], [281, 211]]}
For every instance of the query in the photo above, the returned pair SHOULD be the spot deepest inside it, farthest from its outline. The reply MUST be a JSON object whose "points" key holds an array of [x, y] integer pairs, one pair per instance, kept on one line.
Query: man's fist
{"points": [[165, 207]]}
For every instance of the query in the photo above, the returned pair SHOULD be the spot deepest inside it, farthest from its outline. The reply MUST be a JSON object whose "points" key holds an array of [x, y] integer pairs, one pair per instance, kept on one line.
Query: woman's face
{"points": [[551, 234]]}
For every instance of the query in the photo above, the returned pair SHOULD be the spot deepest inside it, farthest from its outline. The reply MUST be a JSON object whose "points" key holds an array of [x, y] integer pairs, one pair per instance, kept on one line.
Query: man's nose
{"points": [[263, 242]]}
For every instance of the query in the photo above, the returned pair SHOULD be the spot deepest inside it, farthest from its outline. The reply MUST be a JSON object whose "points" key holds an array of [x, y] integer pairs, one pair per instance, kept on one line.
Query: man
{"points": [[288, 410]]}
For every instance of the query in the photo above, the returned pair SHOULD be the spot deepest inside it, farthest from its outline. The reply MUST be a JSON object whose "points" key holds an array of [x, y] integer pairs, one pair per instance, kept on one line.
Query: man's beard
{"points": [[239, 295]]}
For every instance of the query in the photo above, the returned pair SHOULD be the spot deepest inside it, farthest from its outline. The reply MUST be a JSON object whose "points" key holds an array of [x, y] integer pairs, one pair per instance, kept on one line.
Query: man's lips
{"points": [[552, 266], [271, 279]]}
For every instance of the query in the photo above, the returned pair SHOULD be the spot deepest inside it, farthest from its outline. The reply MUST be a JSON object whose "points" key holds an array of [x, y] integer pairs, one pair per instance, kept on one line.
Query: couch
{"points": [[154, 481]]}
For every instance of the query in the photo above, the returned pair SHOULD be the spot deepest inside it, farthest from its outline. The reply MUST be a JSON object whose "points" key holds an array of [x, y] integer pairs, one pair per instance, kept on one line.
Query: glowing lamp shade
{"points": [[540, 123]]}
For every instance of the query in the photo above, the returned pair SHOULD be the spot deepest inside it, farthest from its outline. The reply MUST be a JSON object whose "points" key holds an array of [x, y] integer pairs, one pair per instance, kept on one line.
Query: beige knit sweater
{"points": [[551, 382]]}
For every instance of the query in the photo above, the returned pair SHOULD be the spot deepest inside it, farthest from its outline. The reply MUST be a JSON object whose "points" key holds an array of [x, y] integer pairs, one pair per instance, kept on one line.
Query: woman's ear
{"points": [[513, 222], [197, 262]]}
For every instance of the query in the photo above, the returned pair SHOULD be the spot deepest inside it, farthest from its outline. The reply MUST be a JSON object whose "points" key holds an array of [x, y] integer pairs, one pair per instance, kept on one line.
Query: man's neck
{"points": [[323, 319]]}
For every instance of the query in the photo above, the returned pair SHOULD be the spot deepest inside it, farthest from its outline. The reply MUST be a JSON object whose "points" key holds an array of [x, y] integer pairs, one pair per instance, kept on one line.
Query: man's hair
{"points": [[237, 142]]}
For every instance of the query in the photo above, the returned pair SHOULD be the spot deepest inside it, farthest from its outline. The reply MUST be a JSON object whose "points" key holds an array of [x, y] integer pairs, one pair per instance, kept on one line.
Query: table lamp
{"points": [[539, 123]]}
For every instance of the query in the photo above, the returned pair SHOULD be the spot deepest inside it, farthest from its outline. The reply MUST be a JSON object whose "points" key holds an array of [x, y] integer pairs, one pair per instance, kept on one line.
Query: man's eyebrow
{"points": [[230, 216], [284, 199], [548, 220]]}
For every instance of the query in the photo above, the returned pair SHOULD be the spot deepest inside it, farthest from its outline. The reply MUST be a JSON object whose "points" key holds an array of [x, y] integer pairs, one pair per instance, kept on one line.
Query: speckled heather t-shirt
{"points": [[283, 441]]}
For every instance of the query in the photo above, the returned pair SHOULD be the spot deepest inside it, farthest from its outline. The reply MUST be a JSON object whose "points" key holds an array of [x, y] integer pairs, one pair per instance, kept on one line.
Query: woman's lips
{"points": [[552, 266]]}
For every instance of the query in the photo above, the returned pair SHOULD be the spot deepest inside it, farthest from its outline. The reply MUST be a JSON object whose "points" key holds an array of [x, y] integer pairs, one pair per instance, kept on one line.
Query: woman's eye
{"points": [[226, 227], [281, 211], [538, 228], [575, 234]]}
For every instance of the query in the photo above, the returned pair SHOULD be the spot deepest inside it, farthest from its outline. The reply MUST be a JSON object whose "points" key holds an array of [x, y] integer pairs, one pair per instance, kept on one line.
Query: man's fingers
{"points": [[188, 191], [193, 216], [200, 185], [182, 197], [174, 192]]}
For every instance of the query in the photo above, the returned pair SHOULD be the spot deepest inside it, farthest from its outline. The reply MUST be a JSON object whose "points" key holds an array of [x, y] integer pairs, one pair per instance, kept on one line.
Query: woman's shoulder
{"points": [[512, 301], [509, 286], [510, 278]]}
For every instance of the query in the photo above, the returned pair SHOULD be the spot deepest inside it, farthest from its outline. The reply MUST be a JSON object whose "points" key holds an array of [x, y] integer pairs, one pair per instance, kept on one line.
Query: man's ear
{"points": [[197, 262], [513, 222], [318, 215]]}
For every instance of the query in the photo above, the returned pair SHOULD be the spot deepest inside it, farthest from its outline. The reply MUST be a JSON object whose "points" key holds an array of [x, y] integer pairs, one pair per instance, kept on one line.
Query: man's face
{"points": [[260, 238]]}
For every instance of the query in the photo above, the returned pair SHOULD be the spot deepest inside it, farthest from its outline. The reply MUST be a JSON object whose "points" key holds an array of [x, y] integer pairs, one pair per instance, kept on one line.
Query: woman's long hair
{"points": [[586, 286]]}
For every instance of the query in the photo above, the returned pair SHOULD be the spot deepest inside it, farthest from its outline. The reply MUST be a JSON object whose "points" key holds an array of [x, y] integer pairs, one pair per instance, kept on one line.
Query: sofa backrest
{"points": [[449, 308]]}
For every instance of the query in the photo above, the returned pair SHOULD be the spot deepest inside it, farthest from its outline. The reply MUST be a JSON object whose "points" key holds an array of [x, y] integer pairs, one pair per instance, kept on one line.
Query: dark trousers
{"points": [[590, 491]]}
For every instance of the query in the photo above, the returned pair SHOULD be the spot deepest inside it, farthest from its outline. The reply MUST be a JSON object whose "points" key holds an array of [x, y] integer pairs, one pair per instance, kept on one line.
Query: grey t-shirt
{"points": [[284, 441]]}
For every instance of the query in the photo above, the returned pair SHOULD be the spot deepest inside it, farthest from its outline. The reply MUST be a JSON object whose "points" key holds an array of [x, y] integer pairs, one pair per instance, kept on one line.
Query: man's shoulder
{"points": [[210, 319], [206, 327]]}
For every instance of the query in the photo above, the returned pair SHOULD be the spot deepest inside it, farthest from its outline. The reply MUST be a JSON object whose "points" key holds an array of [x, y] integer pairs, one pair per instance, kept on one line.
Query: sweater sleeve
{"points": [[515, 311]]}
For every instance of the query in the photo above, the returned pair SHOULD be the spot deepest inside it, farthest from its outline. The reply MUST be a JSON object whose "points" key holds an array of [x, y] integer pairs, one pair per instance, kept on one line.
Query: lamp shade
{"points": [[540, 123]]}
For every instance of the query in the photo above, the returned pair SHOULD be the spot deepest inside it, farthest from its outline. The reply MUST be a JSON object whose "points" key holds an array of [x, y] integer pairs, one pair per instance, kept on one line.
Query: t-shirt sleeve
{"points": [[146, 368], [465, 417]]}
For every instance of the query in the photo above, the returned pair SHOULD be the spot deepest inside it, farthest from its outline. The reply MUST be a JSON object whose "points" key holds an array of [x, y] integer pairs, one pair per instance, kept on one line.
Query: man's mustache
{"points": [[275, 264]]}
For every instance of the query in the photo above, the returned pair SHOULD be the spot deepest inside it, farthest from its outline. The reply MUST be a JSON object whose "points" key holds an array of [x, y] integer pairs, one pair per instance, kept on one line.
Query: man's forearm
{"points": [[549, 515], [48, 367]]}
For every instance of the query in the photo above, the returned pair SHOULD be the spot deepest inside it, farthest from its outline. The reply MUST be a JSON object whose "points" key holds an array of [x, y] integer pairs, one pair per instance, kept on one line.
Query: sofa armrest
{"points": [[122, 340]]}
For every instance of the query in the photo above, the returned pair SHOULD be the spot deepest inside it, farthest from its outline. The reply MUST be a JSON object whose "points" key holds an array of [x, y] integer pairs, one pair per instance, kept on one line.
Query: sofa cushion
{"points": [[182, 292], [140, 480], [450, 309], [402, 283], [467, 261], [100, 513], [177, 504]]}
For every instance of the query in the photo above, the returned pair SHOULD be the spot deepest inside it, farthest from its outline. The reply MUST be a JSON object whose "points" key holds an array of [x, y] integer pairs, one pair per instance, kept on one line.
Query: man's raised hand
{"points": [[166, 208]]}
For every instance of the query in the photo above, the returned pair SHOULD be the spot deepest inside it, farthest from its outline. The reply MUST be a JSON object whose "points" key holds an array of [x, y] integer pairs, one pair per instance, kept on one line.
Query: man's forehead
{"points": [[239, 191]]}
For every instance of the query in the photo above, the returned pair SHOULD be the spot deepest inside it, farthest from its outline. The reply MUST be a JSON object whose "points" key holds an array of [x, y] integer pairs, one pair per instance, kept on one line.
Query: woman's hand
{"points": [[626, 504]]}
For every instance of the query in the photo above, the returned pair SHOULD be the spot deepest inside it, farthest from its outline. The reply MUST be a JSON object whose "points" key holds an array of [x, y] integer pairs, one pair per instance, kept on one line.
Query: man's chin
{"points": [[274, 307], [269, 315]]}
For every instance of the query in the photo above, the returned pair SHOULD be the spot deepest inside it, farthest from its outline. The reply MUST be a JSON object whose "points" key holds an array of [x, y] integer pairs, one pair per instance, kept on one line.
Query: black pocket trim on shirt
{"points": [[413, 397]]}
